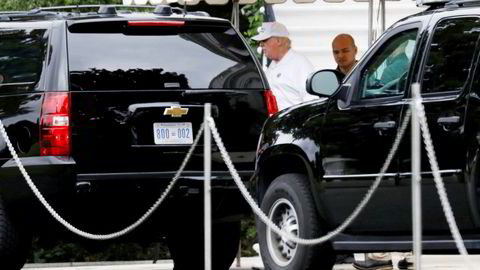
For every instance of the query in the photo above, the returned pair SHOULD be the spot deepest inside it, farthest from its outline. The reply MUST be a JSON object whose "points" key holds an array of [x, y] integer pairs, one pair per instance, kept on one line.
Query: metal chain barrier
{"points": [[447, 209], [433, 163], [256, 209], [83, 233]]}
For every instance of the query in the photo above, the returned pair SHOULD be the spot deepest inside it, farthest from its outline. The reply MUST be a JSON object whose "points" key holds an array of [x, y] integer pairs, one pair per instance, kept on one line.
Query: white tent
{"points": [[236, 4], [313, 24]]}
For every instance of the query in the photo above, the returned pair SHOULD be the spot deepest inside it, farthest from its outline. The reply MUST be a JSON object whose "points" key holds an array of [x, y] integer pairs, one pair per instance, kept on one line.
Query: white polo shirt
{"points": [[288, 77]]}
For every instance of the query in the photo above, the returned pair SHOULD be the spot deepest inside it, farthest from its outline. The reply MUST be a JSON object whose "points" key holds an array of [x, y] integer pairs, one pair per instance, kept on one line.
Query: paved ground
{"points": [[429, 262]]}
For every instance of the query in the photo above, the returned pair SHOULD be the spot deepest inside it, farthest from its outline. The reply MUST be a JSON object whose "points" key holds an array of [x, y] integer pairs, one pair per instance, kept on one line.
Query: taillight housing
{"points": [[55, 125], [271, 102]]}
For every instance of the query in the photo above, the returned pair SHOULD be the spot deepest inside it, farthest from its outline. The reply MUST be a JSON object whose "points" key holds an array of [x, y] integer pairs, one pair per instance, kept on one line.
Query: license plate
{"points": [[173, 133]]}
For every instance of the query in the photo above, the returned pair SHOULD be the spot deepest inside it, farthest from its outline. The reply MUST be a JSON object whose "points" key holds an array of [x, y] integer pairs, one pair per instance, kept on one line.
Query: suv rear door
{"points": [[134, 84]]}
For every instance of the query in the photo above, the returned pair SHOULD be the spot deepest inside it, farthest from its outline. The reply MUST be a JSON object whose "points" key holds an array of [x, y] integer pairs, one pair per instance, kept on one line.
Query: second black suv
{"points": [[102, 106], [316, 161]]}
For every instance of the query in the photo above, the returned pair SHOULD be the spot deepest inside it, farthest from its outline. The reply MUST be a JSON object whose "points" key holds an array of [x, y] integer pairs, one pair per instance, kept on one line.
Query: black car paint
{"points": [[296, 140], [111, 156]]}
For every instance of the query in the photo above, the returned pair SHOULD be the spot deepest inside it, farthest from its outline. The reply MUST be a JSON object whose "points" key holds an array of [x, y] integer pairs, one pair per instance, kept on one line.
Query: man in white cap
{"points": [[288, 72]]}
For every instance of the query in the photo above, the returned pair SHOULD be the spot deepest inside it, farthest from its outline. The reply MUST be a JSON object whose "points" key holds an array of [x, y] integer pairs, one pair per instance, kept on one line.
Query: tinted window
{"points": [[451, 54], [22, 52], [200, 57], [387, 71]]}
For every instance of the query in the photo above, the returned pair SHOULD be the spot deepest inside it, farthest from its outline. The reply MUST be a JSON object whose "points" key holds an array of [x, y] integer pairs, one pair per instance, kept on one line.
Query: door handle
{"points": [[449, 123], [449, 120], [384, 125]]}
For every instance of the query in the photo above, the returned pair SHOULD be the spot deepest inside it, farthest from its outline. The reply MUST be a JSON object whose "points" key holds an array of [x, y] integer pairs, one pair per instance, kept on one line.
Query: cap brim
{"points": [[261, 36]]}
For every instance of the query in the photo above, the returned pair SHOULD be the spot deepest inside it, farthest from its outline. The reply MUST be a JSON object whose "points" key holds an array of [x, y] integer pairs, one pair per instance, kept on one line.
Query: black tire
{"points": [[14, 246], [473, 189], [187, 246], [289, 203]]}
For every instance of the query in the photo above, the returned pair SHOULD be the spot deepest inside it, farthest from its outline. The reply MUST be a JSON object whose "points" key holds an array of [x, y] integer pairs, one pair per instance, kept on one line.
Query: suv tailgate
{"points": [[126, 83]]}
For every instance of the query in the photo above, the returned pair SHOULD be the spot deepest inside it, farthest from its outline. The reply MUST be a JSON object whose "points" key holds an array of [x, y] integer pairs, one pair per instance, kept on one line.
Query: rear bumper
{"points": [[114, 199], [190, 175], [227, 202], [51, 175]]}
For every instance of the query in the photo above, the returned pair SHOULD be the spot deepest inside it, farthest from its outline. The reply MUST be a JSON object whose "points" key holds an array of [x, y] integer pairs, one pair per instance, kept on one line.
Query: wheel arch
{"points": [[472, 177], [286, 159]]}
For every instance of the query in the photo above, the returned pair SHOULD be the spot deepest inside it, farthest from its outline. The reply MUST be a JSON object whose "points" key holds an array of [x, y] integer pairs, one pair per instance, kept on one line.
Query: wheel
{"points": [[14, 246], [473, 189], [187, 246], [289, 204]]}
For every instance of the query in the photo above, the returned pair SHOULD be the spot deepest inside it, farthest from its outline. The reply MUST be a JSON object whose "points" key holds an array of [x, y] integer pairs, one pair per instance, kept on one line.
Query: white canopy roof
{"points": [[235, 10]]}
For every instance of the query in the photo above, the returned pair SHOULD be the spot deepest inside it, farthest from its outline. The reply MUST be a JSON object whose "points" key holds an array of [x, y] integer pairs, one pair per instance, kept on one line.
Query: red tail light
{"points": [[271, 102], [55, 125], [156, 23]]}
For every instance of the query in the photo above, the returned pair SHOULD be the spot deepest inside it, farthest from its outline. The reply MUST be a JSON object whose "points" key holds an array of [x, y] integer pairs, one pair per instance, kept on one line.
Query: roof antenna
{"points": [[78, 7], [184, 8]]}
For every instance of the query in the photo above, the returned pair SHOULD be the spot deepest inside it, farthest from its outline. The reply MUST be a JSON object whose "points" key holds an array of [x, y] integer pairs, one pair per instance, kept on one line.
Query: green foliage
{"points": [[118, 251], [255, 18], [30, 4], [48, 251], [248, 236], [62, 251]]}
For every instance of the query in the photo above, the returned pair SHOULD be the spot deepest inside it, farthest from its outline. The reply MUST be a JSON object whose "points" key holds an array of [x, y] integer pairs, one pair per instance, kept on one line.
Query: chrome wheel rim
{"points": [[283, 214]]}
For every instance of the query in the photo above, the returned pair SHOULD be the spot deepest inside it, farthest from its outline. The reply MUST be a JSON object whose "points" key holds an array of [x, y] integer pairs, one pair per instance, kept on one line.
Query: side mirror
{"points": [[324, 82]]}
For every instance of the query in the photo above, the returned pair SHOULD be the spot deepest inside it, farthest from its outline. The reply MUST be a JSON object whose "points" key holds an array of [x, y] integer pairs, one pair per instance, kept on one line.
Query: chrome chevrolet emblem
{"points": [[175, 111]]}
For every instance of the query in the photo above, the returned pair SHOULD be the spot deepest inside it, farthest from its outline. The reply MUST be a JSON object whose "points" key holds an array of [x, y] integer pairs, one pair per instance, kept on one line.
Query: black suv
{"points": [[102, 106], [316, 161]]}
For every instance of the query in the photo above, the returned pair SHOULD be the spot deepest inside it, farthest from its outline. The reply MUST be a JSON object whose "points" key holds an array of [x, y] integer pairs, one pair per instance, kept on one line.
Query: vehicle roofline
{"points": [[105, 11]]}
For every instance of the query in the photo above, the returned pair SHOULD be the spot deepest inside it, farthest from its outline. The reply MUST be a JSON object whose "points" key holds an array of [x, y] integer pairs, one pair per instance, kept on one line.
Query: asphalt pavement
{"points": [[429, 262]]}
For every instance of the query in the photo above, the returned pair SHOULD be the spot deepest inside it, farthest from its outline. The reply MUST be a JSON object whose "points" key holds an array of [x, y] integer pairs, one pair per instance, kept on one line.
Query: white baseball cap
{"points": [[271, 29]]}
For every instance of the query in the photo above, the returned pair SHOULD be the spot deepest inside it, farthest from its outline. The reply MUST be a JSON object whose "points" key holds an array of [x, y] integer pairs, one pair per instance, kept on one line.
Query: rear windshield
{"points": [[22, 54], [124, 57]]}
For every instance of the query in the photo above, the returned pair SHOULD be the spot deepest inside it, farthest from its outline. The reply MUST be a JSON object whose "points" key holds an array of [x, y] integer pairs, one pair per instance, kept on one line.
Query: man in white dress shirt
{"points": [[288, 72]]}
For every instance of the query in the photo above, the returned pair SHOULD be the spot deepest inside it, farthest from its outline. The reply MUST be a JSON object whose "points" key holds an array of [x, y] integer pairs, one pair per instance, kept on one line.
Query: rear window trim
{"points": [[73, 26]]}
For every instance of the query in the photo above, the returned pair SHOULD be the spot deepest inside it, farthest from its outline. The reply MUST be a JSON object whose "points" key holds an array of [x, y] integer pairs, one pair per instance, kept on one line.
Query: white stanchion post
{"points": [[236, 14], [207, 189], [416, 179], [239, 255], [370, 23], [382, 8]]}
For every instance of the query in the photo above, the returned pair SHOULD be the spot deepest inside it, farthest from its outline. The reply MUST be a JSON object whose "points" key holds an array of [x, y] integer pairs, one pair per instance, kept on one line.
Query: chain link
{"points": [[256, 209], [433, 163], [430, 152], [72, 228]]}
